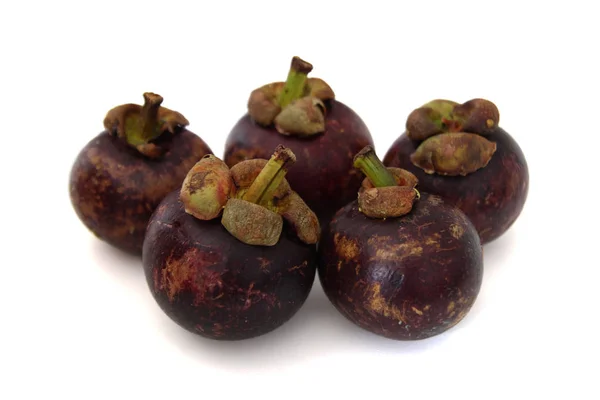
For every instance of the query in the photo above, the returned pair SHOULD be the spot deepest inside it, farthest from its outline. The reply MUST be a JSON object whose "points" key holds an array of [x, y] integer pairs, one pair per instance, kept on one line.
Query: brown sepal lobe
{"points": [[303, 117], [301, 218], [206, 188], [115, 120], [251, 223], [453, 154], [388, 201]]}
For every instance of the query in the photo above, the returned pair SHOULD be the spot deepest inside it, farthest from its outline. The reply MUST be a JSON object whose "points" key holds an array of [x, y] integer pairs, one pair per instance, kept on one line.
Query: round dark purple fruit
{"points": [[399, 263], [302, 114], [121, 175], [459, 152], [232, 255]]}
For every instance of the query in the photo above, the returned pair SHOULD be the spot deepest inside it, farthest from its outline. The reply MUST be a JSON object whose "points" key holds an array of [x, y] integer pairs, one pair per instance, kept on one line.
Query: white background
{"points": [[77, 318]]}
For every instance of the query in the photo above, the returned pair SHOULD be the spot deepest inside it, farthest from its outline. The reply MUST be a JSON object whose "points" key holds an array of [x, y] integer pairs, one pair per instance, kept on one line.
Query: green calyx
{"points": [[452, 136], [295, 107], [139, 125]]}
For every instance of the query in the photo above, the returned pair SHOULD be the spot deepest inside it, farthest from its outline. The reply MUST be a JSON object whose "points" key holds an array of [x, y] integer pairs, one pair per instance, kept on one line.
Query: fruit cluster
{"points": [[230, 247]]}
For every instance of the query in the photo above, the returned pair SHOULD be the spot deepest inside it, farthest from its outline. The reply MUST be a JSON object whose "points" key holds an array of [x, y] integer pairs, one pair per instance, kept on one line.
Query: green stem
{"points": [[367, 161], [266, 183], [296, 81], [150, 109]]}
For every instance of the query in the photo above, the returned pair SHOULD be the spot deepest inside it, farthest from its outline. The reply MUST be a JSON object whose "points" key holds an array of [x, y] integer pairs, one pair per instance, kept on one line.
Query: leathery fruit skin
{"points": [[114, 189], [323, 175], [212, 284], [492, 197], [404, 278]]}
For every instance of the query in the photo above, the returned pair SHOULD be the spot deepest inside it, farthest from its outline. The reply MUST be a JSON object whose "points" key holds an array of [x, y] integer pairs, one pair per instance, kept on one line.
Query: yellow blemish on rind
{"points": [[456, 231], [345, 247], [450, 307], [417, 311], [380, 306], [394, 252]]}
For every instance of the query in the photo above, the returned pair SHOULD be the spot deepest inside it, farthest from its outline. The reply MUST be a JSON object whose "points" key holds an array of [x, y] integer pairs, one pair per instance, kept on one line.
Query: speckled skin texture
{"points": [[492, 197], [404, 278], [323, 174], [114, 189], [216, 286]]}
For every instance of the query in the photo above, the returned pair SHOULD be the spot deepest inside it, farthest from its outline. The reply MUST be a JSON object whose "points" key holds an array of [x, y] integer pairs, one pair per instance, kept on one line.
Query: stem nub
{"points": [[149, 113], [296, 81], [367, 161], [266, 183]]}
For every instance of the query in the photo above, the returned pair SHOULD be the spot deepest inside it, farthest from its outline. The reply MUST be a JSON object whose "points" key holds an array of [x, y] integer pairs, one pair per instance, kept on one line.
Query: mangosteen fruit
{"points": [[121, 175], [459, 152], [303, 114], [402, 264], [232, 255]]}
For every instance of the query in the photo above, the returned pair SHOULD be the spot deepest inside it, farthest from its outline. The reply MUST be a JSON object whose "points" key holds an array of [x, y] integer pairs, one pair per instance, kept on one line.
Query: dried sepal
{"points": [[403, 178], [477, 116], [263, 104], [129, 116], [387, 201], [318, 88], [206, 188], [114, 121], [303, 117], [430, 119], [171, 121], [300, 217], [251, 223], [453, 154]]}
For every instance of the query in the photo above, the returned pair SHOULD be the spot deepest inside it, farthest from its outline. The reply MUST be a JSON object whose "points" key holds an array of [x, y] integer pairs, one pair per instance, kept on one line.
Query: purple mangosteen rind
{"points": [[404, 278], [212, 284], [324, 176], [114, 186], [492, 197]]}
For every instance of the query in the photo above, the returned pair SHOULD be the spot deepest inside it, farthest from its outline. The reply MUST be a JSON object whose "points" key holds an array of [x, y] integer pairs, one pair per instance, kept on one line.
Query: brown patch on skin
{"points": [[456, 230], [253, 296], [114, 189], [416, 310], [191, 269], [450, 307], [387, 249], [346, 248], [409, 269], [325, 179], [379, 305], [492, 197], [264, 264], [298, 268]]}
